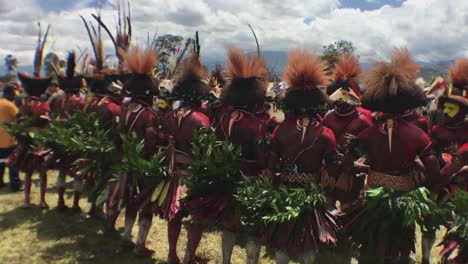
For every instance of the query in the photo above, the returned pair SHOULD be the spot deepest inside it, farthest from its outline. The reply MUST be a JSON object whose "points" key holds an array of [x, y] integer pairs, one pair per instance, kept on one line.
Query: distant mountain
{"points": [[277, 60]]}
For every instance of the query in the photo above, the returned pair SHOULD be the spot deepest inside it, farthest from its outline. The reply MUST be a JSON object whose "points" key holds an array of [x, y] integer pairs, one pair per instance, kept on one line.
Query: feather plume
{"points": [[458, 73], [305, 70], [241, 67], [138, 60], [386, 79], [70, 72], [41, 41], [217, 77], [193, 69], [191, 88], [391, 87], [347, 67]]}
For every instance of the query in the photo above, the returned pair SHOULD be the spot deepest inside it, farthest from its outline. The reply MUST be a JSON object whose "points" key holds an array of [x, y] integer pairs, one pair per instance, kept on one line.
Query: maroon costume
{"points": [[181, 125], [63, 108], [239, 123], [37, 113], [457, 166], [451, 140], [393, 144], [301, 145], [347, 118], [138, 117]]}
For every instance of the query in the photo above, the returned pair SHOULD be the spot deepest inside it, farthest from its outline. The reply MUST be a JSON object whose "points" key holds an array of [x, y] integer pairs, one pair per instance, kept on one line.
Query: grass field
{"points": [[39, 236]]}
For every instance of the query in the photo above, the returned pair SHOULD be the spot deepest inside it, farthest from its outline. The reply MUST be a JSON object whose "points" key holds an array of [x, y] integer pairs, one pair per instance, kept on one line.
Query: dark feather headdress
{"points": [[140, 63], [248, 80], [191, 88], [35, 85], [71, 83]]}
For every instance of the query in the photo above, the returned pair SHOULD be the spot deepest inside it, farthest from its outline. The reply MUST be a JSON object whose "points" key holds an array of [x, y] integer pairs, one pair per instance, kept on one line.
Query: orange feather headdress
{"points": [[305, 73], [391, 87]]}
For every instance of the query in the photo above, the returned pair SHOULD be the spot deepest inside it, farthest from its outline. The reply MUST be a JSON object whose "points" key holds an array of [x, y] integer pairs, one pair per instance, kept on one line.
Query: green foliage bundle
{"points": [[25, 137], [460, 225], [139, 170], [216, 165], [392, 214], [265, 203]]}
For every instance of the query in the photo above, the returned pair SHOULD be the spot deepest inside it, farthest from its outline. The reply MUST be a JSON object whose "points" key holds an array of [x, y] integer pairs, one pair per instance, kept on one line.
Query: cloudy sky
{"points": [[432, 30]]}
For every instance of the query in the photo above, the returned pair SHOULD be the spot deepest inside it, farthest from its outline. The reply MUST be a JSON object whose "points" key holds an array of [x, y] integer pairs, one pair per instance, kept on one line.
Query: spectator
{"points": [[8, 112]]}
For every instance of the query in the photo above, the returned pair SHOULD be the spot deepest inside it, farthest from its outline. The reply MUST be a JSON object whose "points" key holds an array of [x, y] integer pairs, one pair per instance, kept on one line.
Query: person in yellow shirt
{"points": [[8, 112]]}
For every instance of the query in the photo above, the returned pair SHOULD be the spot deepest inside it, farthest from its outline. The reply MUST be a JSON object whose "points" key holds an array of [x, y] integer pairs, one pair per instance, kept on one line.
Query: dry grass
{"points": [[47, 236]]}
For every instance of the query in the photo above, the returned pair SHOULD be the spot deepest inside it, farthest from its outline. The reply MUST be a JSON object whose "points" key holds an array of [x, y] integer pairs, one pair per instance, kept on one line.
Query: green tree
{"points": [[11, 64], [332, 51], [167, 45]]}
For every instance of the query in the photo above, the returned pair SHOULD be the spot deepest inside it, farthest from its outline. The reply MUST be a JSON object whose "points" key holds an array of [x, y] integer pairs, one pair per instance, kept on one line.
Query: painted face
{"points": [[451, 109], [344, 95], [162, 104]]}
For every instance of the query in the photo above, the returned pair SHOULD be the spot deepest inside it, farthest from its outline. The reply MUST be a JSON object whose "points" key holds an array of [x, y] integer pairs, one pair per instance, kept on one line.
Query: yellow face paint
{"points": [[344, 95], [451, 109], [162, 104]]}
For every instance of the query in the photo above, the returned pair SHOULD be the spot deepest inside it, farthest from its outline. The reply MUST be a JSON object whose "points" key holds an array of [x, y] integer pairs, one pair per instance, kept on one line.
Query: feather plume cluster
{"points": [[138, 60], [192, 69], [305, 71], [458, 73], [347, 67], [191, 88], [70, 71], [388, 79], [391, 87], [242, 67]]}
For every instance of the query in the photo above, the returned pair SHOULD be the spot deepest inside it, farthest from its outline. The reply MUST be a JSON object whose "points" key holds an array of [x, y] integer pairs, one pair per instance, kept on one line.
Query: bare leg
{"points": [[61, 190], [27, 190], [144, 224], [130, 217], [78, 187], [281, 257], [43, 188], [173, 231], [194, 235], [252, 249], [228, 238], [112, 212]]}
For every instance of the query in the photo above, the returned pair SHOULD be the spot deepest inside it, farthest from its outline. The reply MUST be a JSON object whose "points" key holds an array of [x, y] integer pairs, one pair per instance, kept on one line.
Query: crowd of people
{"points": [[359, 160]]}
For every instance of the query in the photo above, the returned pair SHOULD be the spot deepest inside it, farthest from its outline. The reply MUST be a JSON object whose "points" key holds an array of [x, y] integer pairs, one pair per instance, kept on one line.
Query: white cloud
{"points": [[431, 29]]}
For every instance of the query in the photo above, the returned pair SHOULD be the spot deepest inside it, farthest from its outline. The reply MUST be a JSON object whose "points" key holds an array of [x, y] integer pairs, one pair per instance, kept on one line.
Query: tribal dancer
{"points": [[300, 147], [106, 104], [138, 117], [239, 124], [38, 111], [452, 140], [63, 108], [346, 118], [448, 137], [181, 124], [392, 146]]}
